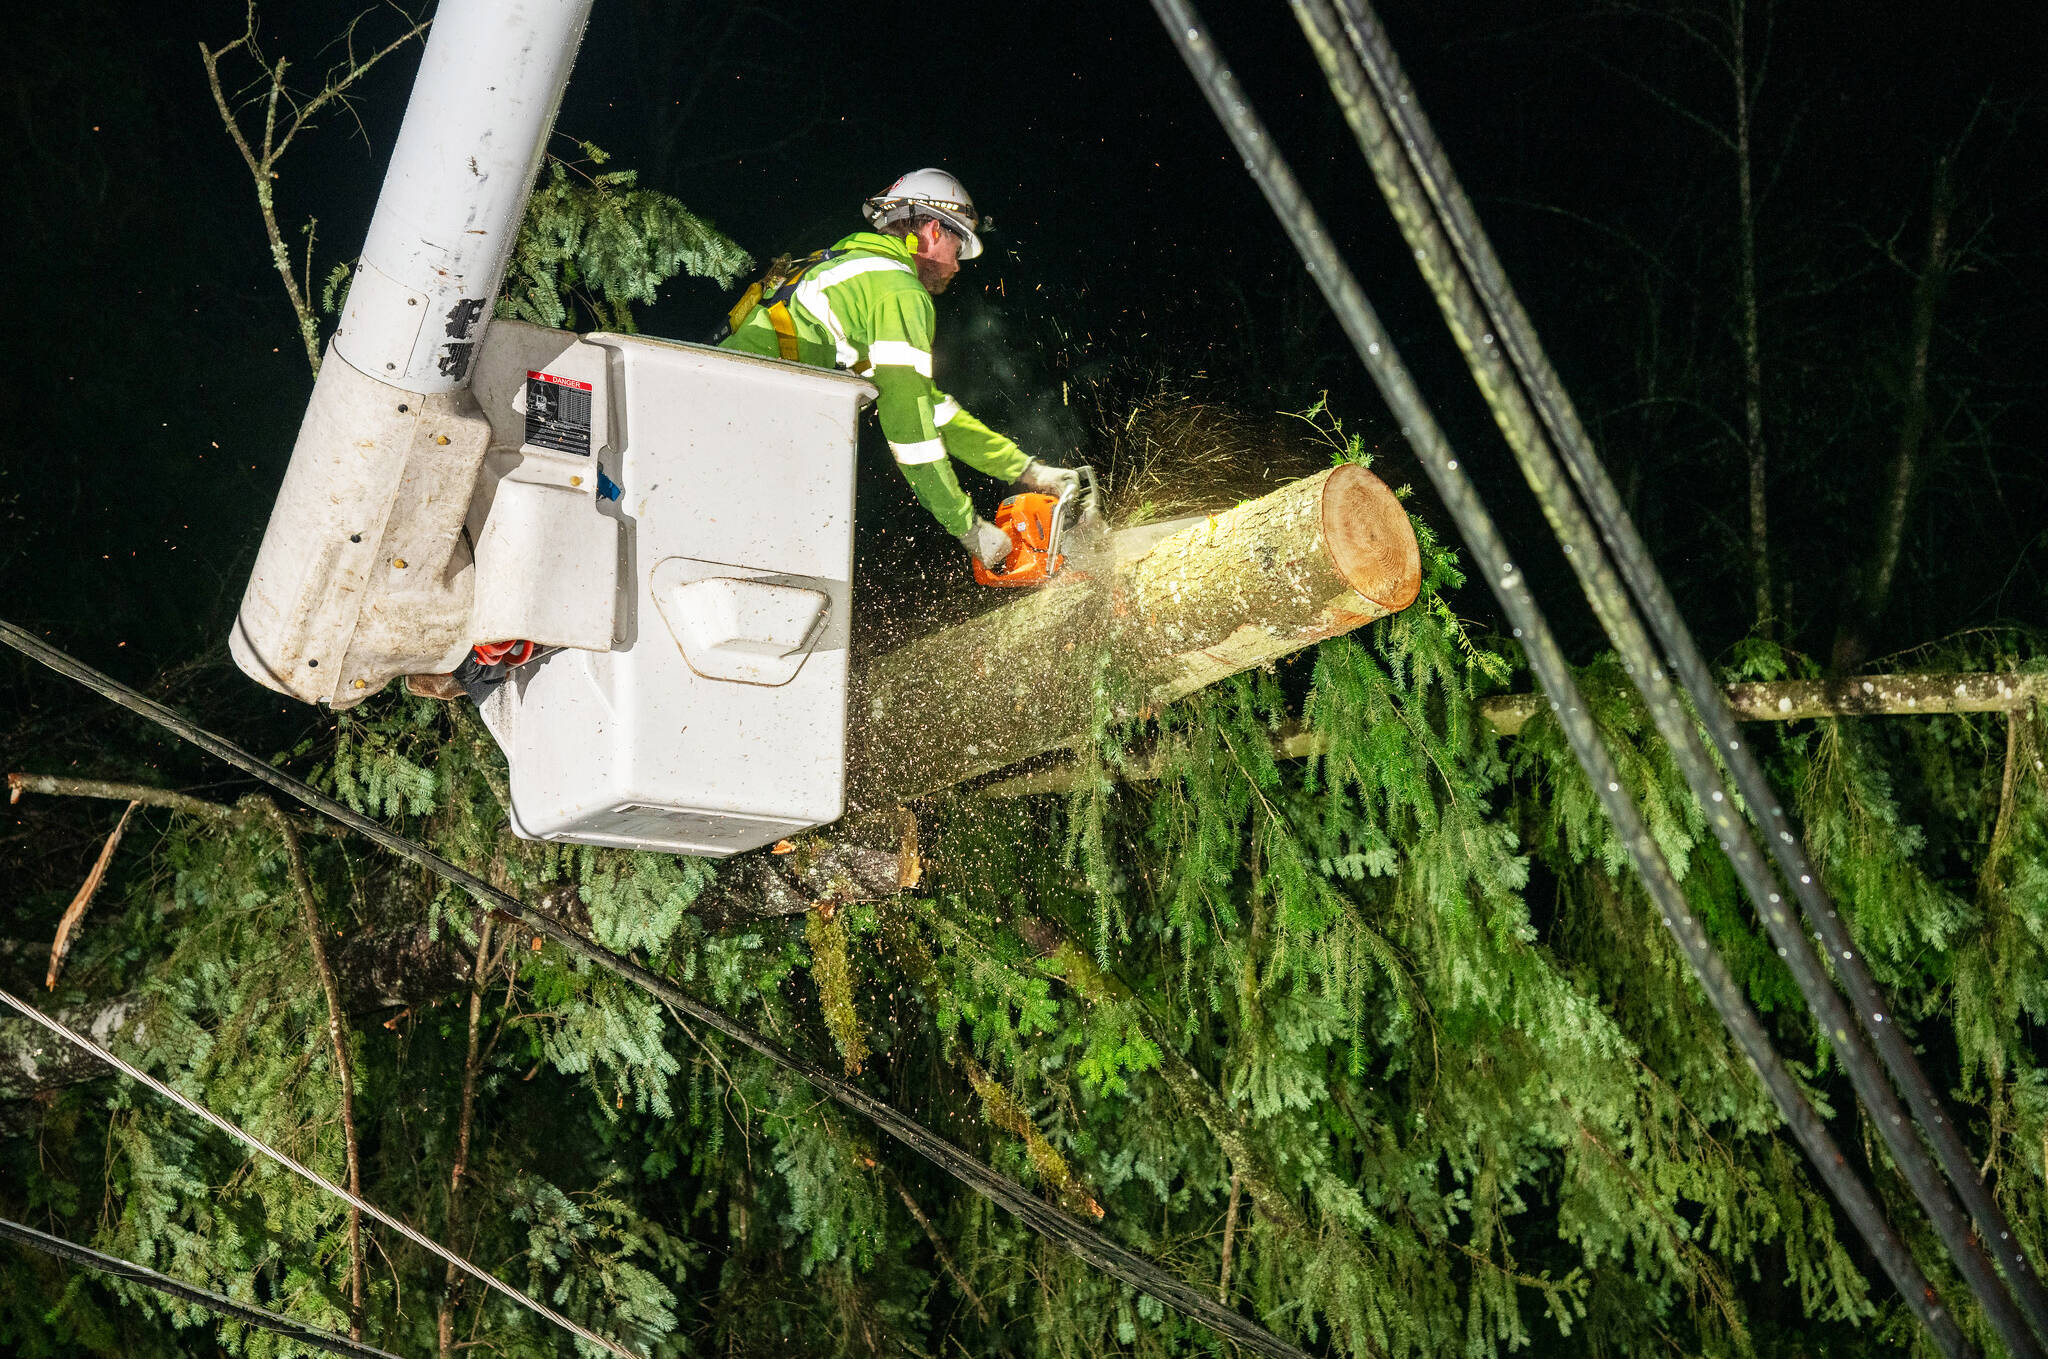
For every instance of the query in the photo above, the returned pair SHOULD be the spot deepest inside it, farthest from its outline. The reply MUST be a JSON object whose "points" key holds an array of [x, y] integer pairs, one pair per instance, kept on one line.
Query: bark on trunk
{"points": [[33, 1060], [1849, 696], [1314, 559], [1752, 343], [1776, 701], [1852, 644]]}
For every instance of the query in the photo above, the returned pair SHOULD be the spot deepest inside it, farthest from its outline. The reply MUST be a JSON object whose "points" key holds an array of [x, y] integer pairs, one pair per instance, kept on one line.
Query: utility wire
{"points": [[177, 1288], [262, 1148], [1394, 101], [1418, 424], [1085, 1240], [1479, 304]]}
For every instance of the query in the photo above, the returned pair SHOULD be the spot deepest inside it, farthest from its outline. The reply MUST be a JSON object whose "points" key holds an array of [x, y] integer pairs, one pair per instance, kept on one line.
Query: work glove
{"points": [[987, 544], [1046, 479]]}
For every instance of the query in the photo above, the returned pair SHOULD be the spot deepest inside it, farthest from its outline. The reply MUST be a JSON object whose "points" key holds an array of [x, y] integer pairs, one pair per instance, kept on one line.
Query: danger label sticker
{"points": [[558, 413]]}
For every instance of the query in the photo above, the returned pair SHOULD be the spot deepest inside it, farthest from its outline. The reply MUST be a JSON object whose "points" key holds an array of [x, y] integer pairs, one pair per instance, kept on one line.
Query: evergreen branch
{"points": [[998, 1105], [1068, 961], [1001, 1108], [1675, 1231], [732, 1088]]}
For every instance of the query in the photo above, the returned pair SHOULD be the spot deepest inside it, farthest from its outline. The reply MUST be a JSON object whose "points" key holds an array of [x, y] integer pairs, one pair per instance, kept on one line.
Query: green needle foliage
{"points": [[1400, 994], [594, 243], [1385, 1047]]}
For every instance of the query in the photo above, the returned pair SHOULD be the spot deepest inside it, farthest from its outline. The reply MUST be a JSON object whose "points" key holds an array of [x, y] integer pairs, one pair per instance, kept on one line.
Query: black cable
{"points": [[313, 1177], [1085, 1240], [1376, 350], [212, 1302], [1479, 303]]}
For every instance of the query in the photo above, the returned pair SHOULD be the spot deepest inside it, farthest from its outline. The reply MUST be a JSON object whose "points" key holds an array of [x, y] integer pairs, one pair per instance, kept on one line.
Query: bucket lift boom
{"points": [[674, 522]]}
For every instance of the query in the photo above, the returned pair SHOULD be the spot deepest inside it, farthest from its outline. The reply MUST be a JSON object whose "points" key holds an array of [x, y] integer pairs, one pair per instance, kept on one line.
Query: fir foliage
{"points": [[594, 244], [1395, 1022]]}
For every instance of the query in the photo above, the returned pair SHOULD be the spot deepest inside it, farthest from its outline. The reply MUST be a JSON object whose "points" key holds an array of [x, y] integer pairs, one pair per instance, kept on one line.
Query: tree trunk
{"points": [[1752, 343], [1775, 701], [1852, 643], [1850, 696], [33, 1060], [1314, 559], [1760, 543]]}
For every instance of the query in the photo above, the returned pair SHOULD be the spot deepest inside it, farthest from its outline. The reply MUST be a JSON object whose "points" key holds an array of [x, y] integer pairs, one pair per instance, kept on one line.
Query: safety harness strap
{"points": [[773, 291]]}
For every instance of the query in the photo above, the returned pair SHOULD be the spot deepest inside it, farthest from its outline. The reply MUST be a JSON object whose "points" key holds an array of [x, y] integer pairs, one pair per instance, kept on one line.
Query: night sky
{"points": [[161, 380]]}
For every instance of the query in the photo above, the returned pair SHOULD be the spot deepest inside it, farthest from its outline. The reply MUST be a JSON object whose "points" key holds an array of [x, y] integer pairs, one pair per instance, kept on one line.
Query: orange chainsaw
{"points": [[1037, 524]]}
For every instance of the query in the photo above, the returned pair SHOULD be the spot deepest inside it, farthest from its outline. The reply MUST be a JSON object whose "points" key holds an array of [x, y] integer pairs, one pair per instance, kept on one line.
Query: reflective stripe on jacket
{"points": [[865, 310]]}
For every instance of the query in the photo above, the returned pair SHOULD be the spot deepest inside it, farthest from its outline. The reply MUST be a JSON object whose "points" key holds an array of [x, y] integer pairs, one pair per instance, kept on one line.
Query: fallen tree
{"points": [[1314, 559], [1758, 701]]}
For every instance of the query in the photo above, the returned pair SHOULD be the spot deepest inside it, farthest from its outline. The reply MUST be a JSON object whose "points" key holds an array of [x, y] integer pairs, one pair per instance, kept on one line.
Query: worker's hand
{"points": [[987, 544], [1046, 479]]}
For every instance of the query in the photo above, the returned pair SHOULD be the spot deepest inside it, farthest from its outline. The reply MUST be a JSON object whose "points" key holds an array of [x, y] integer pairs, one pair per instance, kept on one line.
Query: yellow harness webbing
{"points": [[773, 292]]}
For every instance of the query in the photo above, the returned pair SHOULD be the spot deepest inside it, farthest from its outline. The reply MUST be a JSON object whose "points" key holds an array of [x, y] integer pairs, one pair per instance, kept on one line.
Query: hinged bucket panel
{"points": [[717, 723]]}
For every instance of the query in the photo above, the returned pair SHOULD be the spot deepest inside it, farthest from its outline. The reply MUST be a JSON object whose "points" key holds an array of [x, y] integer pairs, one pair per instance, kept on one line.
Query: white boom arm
{"points": [[363, 573], [674, 523]]}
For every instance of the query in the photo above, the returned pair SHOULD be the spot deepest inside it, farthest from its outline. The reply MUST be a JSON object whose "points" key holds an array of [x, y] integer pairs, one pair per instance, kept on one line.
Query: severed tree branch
{"points": [[49, 784], [1848, 696], [1766, 701], [61, 945]]}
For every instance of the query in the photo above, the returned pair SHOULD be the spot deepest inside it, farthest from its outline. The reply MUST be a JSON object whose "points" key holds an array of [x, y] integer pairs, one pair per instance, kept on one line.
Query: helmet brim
{"points": [[876, 209], [970, 242]]}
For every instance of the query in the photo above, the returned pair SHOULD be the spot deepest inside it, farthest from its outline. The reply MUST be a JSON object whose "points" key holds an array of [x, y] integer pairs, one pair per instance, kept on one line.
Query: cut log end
{"points": [[1230, 592], [1370, 541]]}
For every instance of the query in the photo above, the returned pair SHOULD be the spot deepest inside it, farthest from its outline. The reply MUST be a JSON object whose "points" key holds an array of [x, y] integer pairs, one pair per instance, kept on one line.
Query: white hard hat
{"points": [[936, 192]]}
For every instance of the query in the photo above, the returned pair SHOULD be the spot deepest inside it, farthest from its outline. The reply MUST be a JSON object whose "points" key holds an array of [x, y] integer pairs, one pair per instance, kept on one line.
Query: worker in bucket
{"points": [[865, 304]]}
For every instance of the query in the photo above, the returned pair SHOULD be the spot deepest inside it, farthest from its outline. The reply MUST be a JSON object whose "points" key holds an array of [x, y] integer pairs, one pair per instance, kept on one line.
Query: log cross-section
{"points": [[1314, 559]]}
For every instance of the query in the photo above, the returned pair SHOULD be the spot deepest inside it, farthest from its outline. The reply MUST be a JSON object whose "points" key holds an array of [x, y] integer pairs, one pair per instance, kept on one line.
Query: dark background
{"points": [[157, 380]]}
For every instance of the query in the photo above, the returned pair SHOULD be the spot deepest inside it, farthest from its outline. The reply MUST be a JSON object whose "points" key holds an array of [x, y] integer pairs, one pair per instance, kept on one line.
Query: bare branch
{"points": [[444, 1325], [263, 165], [337, 89], [75, 912], [945, 1256], [1703, 123], [48, 784], [337, 1034], [1775, 701], [1229, 1237]]}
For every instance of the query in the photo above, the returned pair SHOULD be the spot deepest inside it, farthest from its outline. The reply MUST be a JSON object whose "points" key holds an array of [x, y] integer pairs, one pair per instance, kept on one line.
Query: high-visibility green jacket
{"points": [[865, 310]]}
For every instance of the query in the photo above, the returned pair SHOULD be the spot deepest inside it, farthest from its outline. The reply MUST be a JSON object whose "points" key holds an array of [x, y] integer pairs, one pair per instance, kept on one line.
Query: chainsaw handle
{"points": [[1082, 487]]}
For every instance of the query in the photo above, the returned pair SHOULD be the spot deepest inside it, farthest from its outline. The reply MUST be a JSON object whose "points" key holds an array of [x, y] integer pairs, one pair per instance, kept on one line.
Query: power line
{"points": [[1085, 1240], [1418, 424], [258, 1145], [177, 1288], [1479, 303]]}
